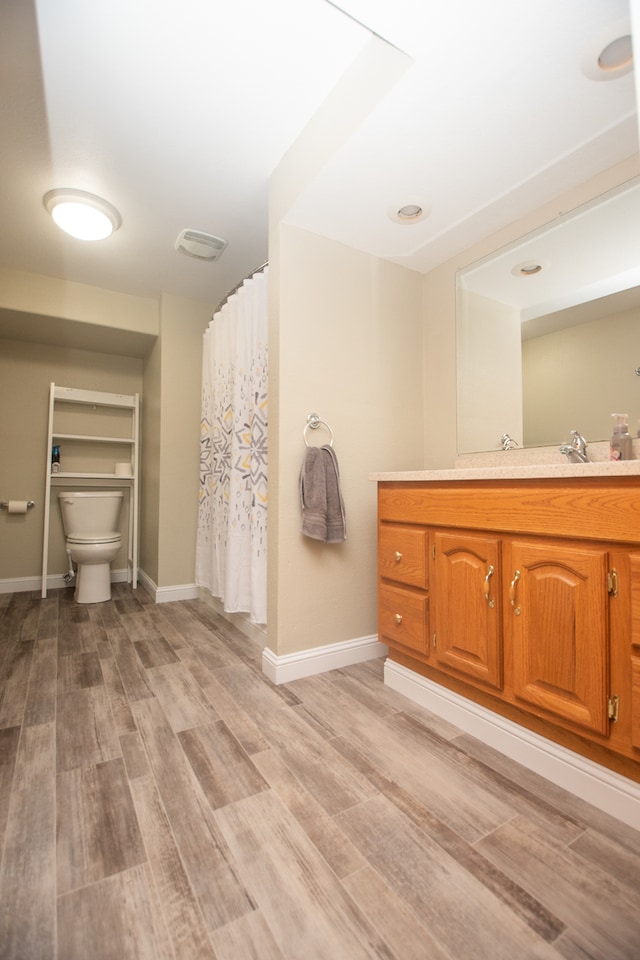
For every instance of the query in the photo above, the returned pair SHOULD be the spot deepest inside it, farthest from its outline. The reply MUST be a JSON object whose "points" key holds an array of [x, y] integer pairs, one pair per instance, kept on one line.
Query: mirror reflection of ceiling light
{"points": [[527, 269], [82, 215]]}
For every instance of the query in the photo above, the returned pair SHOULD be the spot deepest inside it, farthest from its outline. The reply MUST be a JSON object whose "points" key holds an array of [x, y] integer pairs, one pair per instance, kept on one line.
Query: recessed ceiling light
{"points": [[409, 212], [82, 215], [609, 54], [527, 269], [617, 54]]}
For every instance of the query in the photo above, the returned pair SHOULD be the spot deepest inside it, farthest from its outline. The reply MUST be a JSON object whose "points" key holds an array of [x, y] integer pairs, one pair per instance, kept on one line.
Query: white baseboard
{"points": [[25, 584], [187, 591], [602, 788], [306, 663], [55, 581], [183, 591]]}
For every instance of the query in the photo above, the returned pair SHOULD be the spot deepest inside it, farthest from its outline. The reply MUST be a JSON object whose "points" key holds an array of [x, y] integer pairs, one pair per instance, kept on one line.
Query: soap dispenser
{"points": [[620, 446]]}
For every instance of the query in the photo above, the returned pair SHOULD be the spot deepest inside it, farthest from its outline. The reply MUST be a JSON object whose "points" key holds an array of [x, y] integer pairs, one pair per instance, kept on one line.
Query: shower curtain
{"points": [[231, 553]]}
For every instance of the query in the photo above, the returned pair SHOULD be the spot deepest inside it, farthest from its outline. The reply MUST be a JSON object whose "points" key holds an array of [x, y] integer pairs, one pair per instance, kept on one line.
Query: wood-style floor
{"points": [[159, 798]]}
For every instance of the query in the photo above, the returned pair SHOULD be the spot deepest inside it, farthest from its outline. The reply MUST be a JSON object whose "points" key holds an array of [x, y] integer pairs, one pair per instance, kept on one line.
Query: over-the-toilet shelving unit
{"points": [[94, 430]]}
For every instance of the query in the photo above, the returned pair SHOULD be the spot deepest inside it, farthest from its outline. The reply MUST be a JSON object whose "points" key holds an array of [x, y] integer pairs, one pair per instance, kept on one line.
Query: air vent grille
{"points": [[202, 246]]}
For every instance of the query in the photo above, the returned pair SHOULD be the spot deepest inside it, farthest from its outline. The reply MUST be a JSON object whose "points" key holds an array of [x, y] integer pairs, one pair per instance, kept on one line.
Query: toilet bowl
{"points": [[90, 520]]}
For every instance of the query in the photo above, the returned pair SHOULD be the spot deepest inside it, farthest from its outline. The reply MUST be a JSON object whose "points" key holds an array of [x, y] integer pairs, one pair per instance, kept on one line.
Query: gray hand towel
{"points": [[323, 515]]}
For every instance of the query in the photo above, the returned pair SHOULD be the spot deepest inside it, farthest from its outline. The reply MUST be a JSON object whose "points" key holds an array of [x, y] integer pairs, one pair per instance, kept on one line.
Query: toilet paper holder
{"points": [[4, 504]]}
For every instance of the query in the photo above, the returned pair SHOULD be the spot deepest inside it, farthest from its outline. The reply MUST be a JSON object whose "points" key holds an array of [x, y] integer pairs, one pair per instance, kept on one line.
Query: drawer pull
{"points": [[512, 593], [487, 587], [397, 556], [398, 618]]}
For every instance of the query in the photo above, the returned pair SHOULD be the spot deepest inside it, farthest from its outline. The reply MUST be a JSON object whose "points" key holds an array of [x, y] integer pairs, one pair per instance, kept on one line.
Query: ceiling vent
{"points": [[202, 246]]}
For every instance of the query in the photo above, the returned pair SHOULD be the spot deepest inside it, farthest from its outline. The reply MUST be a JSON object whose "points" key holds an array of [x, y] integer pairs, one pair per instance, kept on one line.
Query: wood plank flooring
{"points": [[160, 799]]}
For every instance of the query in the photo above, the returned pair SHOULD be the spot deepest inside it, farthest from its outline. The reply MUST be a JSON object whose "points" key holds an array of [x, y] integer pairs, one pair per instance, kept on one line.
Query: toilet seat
{"points": [[105, 538]]}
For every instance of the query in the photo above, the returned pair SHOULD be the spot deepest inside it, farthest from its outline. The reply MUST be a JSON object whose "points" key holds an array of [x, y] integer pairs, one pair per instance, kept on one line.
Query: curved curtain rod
{"points": [[238, 285]]}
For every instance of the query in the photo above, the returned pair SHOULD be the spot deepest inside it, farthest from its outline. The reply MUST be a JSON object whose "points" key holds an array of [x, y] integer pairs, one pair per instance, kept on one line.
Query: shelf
{"points": [[93, 454], [80, 436], [89, 476], [94, 398]]}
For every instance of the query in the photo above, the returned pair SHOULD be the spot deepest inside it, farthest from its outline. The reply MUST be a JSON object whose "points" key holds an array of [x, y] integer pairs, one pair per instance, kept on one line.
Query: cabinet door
{"points": [[634, 563], [467, 606], [403, 617], [558, 625], [402, 554]]}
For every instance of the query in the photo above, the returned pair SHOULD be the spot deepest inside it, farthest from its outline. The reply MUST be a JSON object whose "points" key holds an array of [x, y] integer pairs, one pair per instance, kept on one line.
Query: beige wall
{"points": [[171, 439], [439, 292], [26, 370], [348, 347], [150, 416], [588, 373], [489, 372], [43, 296], [182, 324], [345, 342]]}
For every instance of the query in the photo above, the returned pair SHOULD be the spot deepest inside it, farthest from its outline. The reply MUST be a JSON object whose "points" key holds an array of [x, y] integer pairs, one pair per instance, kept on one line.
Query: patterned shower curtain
{"points": [[231, 553]]}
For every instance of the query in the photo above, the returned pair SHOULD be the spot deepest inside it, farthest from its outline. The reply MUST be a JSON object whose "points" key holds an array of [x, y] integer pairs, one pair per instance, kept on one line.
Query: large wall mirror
{"points": [[548, 330]]}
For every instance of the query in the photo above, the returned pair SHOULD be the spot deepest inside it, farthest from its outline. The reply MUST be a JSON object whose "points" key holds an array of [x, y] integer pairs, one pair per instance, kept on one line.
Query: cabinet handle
{"points": [[512, 593], [398, 618], [397, 556], [487, 588]]}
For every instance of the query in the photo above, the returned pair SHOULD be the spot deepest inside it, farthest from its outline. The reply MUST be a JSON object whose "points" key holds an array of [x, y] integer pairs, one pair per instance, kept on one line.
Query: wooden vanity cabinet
{"points": [[528, 602]]}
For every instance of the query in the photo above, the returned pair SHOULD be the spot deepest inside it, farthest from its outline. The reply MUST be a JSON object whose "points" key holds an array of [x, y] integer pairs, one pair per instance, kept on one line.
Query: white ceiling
{"points": [[178, 113]]}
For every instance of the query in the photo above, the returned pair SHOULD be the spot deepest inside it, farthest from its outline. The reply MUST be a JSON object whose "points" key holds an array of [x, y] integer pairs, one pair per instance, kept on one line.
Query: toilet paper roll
{"points": [[17, 506]]}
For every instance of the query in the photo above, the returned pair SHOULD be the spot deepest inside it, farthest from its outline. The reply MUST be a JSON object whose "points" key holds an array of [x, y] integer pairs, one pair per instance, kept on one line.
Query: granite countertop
{"points": [[518, 471]]}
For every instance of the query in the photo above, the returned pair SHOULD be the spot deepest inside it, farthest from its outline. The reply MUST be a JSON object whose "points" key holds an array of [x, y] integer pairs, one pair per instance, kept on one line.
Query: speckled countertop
{"points": [[531, 472], [530, 464]]}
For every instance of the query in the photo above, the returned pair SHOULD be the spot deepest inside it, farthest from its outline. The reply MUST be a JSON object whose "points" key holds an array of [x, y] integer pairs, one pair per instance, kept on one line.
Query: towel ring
{"points": [[313, 422]]}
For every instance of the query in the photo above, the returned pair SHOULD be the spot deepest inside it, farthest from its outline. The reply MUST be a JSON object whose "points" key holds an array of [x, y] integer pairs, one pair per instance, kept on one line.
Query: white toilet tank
{"points": [[90, 513]]}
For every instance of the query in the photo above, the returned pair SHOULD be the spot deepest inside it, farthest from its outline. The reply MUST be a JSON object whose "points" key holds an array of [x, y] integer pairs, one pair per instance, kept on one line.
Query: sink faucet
{"points": [[576, 450], [508, 443]]}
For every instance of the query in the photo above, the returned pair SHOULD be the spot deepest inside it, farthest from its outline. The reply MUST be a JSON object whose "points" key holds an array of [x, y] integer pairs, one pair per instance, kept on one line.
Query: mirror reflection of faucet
{"points": [[576, 450], [508, 443]]}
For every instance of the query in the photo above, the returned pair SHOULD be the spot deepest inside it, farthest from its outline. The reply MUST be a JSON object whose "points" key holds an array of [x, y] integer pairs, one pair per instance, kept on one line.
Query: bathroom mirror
{"points": [[548, 330]]}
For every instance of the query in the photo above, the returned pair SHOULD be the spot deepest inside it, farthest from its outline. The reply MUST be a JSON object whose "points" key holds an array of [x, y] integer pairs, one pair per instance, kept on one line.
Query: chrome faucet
{"points": [[576, 450], [508, 443]]}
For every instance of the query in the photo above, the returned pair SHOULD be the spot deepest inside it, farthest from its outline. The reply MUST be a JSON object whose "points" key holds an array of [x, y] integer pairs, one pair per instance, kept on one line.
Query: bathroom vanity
{"points": [[519, 589]]}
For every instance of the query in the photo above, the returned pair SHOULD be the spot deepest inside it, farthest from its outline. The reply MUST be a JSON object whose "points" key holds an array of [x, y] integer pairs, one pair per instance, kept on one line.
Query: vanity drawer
{"points": [[403, 617], [402, 555]]}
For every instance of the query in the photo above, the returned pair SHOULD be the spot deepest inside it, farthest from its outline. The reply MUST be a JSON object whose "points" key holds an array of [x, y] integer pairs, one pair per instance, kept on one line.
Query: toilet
{"points": [[91, 521]]}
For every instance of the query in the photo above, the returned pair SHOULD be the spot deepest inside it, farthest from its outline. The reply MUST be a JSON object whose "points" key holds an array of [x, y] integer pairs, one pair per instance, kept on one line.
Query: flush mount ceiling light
{"points": [[409, 212], [82, 215], [610, 54], [202, 246]]}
